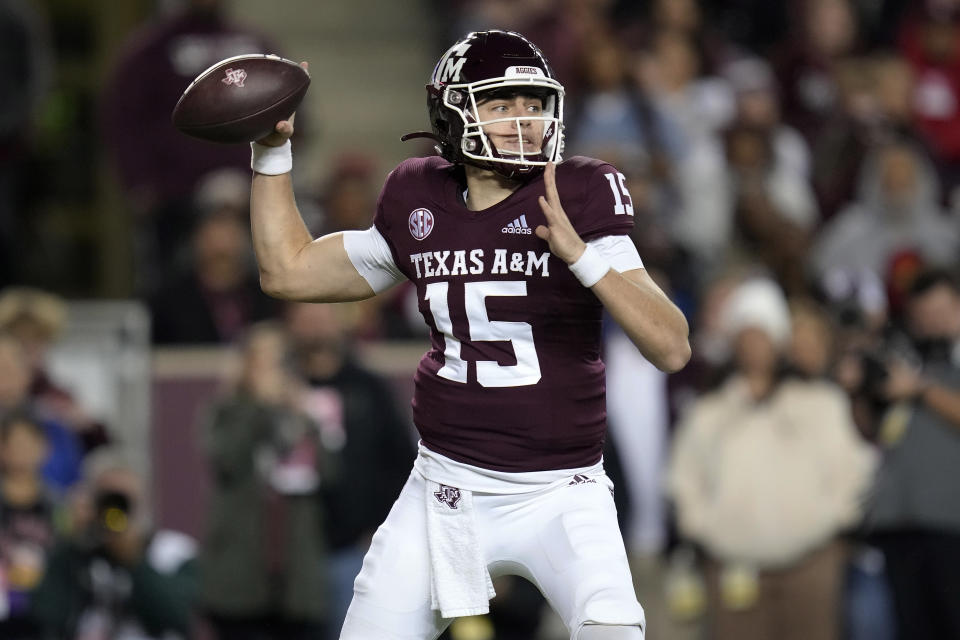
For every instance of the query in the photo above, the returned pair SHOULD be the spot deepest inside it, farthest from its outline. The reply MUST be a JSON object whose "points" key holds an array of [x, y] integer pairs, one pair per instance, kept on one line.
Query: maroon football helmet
{"points": [[501, 61]]}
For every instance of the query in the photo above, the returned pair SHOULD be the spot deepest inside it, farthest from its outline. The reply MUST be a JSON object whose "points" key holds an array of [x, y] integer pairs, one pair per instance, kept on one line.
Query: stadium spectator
{"points": [[827, 31], [857, 304], [866, 600], [914, 507], [37, 319], [874, 107], [262, 562], [757, 105], [765, 472], [638, 24], [930, 42], [348, 196], [744, 204], [849, 133], [700, 104], [711, 348], [371, 442], [896, 210], [746, 196], [63, 464], [614, 119], [214, 295], [894, 87], [772, 212], [157, 63], [27, 522], [812, 340], [700, 107], [119, 578]]}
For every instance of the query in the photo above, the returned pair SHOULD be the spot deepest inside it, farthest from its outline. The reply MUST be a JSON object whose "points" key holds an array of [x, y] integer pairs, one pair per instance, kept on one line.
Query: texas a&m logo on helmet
{"points": [[451, 64]]}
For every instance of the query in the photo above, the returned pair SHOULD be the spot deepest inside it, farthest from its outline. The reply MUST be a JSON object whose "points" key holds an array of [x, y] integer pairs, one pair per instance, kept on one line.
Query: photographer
{"points": [[263, 564], [117, 579], [916, 505]]}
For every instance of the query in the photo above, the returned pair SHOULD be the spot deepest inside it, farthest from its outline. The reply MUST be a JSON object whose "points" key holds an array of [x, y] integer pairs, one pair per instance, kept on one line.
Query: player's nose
{"points": [[518, 107]]}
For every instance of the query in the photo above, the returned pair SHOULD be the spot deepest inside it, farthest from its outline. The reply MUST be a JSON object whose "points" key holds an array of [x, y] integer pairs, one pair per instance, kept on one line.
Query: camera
{"points": [[112, 511], [894, 344]]}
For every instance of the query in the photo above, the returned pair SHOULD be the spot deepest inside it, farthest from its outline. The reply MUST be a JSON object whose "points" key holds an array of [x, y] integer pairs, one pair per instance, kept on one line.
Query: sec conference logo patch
{"points": [[420, 223]]}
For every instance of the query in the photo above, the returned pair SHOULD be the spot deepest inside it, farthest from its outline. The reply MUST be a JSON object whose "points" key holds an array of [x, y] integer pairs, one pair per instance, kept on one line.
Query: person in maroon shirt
{"points": [[514, 255], [153, 66]]}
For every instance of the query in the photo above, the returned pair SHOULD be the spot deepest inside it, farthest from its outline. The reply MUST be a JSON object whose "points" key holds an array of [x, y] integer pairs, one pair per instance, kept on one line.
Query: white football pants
{"points": [[564, 539]]}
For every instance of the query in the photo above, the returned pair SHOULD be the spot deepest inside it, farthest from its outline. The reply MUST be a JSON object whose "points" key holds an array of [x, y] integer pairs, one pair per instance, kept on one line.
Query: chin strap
{"points": [[438, 147], [421, 134]]}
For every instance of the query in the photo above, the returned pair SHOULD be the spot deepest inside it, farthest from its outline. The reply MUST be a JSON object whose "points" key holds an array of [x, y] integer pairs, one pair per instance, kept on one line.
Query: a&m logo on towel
{"points": [[448, 495]]}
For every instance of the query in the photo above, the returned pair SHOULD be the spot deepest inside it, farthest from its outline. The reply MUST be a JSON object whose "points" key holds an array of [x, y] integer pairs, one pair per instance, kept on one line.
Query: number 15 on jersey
{"points": [[520, 334]]}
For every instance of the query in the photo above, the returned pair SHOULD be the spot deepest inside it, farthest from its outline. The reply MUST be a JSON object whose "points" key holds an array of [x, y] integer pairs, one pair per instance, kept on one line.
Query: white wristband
{"points": [[271, 161], [590, 267]]}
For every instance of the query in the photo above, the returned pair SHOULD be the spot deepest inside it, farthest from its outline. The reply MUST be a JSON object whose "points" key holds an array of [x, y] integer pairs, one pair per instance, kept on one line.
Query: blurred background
{"points": [[183, 457]]}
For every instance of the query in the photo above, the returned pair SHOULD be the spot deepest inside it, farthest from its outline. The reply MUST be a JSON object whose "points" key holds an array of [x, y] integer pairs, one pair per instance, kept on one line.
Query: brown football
{"points": [[241, 98]]}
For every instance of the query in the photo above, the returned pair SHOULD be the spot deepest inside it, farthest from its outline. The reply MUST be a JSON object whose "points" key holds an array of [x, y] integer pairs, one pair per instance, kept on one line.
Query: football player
{"points": [[514, 255]]}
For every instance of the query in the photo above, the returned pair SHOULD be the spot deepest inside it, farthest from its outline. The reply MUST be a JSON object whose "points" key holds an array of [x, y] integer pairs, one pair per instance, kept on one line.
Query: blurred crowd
{"points": [[794, 172], [306, 449]]}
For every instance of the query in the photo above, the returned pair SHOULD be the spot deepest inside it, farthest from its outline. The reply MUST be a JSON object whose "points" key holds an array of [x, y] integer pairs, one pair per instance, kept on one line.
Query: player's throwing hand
{"points": [[563, 239], [283, 130]]}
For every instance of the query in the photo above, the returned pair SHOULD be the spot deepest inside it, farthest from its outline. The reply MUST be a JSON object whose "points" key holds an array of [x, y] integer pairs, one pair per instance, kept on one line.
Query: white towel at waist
{"points": [[460, 584]]}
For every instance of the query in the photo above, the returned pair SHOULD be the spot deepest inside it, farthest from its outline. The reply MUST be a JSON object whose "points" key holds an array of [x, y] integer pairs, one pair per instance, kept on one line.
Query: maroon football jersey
{"points": [[513, 381]]}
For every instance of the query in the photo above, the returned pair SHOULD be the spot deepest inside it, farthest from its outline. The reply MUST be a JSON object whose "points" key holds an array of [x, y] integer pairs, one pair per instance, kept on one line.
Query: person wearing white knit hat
{"points": [[765, 473], [755, 320], [758, 303]]}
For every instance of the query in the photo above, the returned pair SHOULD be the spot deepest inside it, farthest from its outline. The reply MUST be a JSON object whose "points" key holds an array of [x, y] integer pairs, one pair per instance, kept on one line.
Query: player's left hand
{"points": [[564, 241]]}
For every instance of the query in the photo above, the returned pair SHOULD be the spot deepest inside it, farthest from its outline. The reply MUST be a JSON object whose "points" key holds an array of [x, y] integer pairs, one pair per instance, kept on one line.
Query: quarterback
{"points": [[514, 253]]}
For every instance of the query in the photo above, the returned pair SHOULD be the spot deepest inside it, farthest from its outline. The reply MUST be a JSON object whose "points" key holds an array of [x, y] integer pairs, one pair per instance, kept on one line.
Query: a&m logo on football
{"points": [[234, 76], [421, 223]]}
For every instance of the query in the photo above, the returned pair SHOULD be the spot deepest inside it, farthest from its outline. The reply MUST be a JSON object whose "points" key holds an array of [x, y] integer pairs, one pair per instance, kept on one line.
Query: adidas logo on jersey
{"points": [[518, 226]]}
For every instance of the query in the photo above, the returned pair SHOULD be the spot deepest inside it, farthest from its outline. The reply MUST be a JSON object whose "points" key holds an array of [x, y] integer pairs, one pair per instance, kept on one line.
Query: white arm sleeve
{"points": [[619, 251], [370, 255]]}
